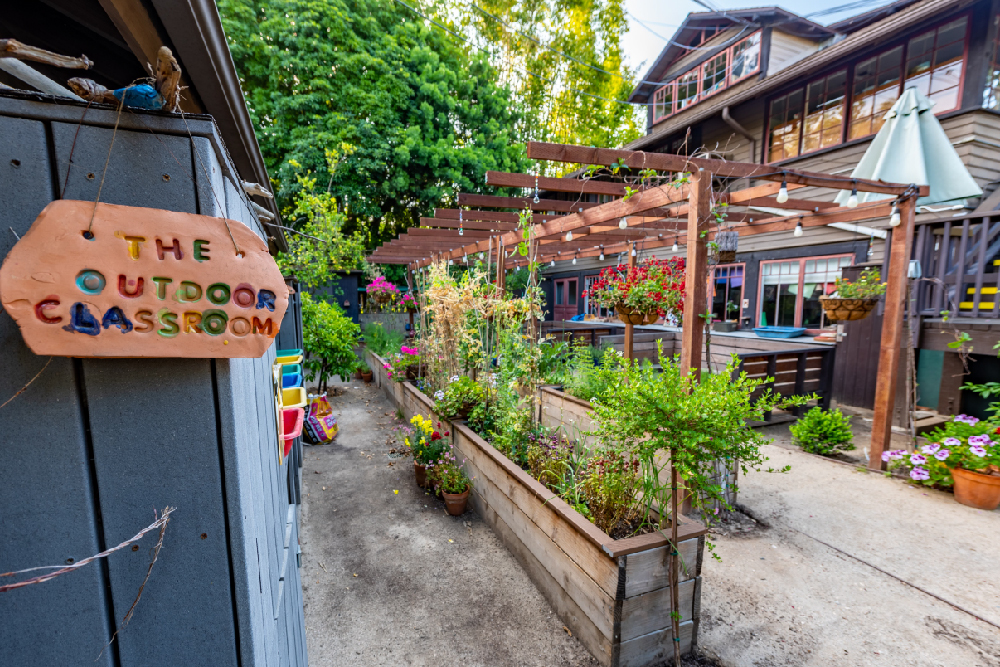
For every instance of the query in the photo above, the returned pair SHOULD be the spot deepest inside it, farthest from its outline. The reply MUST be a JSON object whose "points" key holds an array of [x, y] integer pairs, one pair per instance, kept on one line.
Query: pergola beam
{"points": [[520, 203], [447, 223], [681, 163]]}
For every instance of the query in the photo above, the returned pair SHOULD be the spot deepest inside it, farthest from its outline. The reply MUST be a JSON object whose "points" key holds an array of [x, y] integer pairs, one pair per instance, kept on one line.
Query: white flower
{"points": [[454, 378], [439, 395]]}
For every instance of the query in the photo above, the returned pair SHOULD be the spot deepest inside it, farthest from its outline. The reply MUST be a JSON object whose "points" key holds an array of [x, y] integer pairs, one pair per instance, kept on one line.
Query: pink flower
{"points": [[977, 450], [942, 454], [967, 419], [952, 442], [931, 448], [918, 459], [919, 474]]}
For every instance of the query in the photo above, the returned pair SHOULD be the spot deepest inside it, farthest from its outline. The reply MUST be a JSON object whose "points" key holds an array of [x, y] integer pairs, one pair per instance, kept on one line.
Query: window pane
{"points": [[785, 122], [687, 90], [991, 93], [663, 102], [876, 88], [934, 64], [714, 74], [572, 291], [812, 311], [824, 112], [769, 305], [786, 305], [559, 290], [746, 57]]}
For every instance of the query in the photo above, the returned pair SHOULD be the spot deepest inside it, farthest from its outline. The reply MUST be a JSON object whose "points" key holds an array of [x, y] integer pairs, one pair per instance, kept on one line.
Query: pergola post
{"points": [[501, 265], [892, 333], [695, 292], [629, 327]]}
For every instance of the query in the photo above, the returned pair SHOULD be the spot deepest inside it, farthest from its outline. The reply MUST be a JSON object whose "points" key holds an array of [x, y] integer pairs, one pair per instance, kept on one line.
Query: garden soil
{"points": [[845, 567]]}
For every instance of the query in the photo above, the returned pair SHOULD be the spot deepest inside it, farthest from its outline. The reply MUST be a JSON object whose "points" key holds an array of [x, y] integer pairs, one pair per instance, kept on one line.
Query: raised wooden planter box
{"points": [[560, 410], [612, 594]]}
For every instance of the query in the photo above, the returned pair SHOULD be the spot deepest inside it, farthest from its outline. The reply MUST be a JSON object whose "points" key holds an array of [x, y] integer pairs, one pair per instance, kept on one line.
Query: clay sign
{"points": [[141, 282]]}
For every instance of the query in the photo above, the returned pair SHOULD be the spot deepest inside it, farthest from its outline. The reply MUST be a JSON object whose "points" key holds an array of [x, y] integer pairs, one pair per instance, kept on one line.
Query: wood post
{"points": [[501, 266], [892, 333], [696, 287], [629, 327]]}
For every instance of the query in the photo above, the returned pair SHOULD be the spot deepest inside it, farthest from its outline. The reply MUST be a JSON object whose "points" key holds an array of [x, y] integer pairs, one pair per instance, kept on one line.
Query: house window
{"points": [[876, 89], [687, 89], [746, 58], [663, 102], [824, 112], [790, 290], [713, 78], [727, 292], [934, 62], [785, 121], [991, 94]]}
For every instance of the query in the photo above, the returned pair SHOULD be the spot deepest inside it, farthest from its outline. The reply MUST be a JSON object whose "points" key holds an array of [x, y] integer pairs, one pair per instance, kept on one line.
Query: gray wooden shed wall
{"points": [[93, 446]]}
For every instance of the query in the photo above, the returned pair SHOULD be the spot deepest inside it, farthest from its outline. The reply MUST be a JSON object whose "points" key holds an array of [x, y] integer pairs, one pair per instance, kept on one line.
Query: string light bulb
{"points": [[782, 192], [852, 201], [451, 262], [623, 223], [894, 217], [574, 260], [569, 236], [674, 246], [633, 250], [552, 263], [602, 255], [798, 229]]}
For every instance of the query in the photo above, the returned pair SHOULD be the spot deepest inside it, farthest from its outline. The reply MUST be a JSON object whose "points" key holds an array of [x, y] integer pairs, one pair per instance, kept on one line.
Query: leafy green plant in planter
{"points": [[867, 286], [823, 432], [459, 398], [965, 442], [329, 337], [584, 379]]}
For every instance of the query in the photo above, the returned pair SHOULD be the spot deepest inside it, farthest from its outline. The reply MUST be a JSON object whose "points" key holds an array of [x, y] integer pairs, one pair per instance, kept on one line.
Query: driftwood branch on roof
{"points": [[168, 79], [11, 48]]}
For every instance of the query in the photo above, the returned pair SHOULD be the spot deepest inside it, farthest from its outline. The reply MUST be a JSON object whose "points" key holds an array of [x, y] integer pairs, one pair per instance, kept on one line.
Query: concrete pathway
{"points": [[852, 568], [391, 579]]}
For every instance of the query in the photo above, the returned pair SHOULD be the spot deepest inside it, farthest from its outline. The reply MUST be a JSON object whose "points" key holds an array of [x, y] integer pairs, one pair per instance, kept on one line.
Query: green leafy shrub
{"points": [[584, 379], [382, 342], [823, 432], [458, 398], [446, 474], [329, 337]]}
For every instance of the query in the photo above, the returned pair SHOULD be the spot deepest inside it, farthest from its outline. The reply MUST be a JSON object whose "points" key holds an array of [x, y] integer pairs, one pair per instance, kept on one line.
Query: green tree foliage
{"points": [[320, 247], [562, 92], [423, 113], [329, 337]]}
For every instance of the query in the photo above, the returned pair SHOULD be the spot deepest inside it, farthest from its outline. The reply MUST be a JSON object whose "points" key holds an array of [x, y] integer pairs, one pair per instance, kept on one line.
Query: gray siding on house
{"points": [[94, 446]]}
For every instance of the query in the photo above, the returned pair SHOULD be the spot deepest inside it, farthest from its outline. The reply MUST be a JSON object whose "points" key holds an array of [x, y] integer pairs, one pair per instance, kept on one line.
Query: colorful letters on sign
{"points": [[142, 283]]}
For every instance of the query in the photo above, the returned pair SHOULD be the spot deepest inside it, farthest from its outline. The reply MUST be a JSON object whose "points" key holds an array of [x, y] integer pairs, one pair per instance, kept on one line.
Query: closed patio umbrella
{"points": [[912, 147]]}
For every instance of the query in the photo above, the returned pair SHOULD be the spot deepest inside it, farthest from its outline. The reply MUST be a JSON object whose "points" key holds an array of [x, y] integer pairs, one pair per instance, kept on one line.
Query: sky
{"points": [[664, 16]]}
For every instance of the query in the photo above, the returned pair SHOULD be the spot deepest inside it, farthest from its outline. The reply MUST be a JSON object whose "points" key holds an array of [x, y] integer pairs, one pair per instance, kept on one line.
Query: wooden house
{"points": [[767, 86]]}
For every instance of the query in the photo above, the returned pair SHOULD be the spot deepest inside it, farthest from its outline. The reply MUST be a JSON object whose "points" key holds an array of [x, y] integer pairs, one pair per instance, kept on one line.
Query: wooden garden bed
{"points": [[612, 594]]}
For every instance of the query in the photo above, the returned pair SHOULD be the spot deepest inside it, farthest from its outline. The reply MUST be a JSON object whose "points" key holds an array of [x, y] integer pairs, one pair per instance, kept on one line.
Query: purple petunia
{"points": [[897, 454], [952, 442], [919, 474], [942, 454], [977, 450], [918, 459], [931, 448], [885, 455], [978, 439], [967, 419]]}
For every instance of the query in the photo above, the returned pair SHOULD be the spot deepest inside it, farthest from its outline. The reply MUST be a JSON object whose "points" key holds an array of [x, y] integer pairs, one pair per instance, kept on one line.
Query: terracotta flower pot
{"points": [[420, 472], [845, 310], [367, 377], [629, 316], [976, 489], [455, 502]]}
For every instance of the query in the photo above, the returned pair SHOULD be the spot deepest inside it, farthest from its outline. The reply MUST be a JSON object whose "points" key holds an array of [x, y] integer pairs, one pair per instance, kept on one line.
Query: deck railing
{"points": [[960, 263]]}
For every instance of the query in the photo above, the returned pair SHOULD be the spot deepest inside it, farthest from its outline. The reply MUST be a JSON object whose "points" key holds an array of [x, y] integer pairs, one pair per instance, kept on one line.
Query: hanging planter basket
{"points": [[728, 243], [629, 316], [382, 298], [846, 310]]}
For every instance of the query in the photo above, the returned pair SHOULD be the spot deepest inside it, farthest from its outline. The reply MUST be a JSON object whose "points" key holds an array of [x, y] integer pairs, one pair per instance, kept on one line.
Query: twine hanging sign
{"points": [[117, 281]]}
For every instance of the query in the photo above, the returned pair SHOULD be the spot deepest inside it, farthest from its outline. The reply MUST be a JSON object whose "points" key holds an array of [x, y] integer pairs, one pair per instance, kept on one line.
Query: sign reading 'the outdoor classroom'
{"points": [[141, 282]]}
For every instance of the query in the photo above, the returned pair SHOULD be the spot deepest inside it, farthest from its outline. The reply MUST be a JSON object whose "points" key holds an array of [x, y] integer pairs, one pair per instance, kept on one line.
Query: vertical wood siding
{"points": [[95, 445]]}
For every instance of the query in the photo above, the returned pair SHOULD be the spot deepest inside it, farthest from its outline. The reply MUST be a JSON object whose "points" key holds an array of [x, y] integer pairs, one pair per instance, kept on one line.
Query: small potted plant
{"points": [[823, 432], [382, 291], [459, 398], [962, 454], [366, 372], [728, 325], [427, 446], [409, 303], [854, 301], [404, 365], [447, 476]]}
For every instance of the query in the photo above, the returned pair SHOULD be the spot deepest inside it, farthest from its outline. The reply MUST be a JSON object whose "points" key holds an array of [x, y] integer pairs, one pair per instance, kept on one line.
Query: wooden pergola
{"points": [[660, 216]]}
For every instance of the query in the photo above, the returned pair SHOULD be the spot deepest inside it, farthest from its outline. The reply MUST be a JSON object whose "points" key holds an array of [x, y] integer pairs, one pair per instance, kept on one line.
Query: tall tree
{"points": [[564, 59], [415, 114]]}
